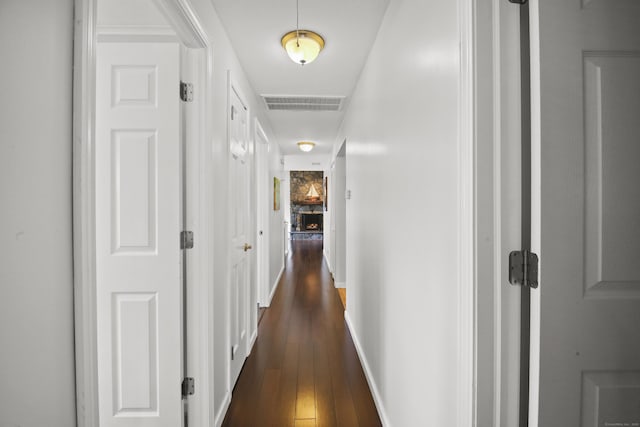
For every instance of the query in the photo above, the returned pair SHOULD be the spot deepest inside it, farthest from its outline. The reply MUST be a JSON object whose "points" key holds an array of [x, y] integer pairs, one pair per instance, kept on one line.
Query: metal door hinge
{"points": [[518, 1], [233, 353], [186, 240], [186, 92], [523, 268], [188, 387]]}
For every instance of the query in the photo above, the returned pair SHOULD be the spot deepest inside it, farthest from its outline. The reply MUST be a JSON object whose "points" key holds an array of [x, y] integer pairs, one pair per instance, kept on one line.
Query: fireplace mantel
{"points": [[308, 203]]}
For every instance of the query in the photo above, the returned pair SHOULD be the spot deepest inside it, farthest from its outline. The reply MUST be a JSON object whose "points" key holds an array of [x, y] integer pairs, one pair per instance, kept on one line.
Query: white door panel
{"points": [[589, 212], [239, 219], [263, 191], [137, 230]]}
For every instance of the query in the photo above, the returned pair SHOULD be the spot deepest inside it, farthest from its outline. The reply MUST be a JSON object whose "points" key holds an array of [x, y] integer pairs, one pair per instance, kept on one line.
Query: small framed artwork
{"points": [[326, 193], [276, 193]]}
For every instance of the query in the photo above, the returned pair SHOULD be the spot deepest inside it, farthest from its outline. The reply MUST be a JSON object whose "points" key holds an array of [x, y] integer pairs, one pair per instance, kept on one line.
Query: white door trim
{"points": [[191, 33], [84, 213], [466, 274], [497, 211], [262, 201]]}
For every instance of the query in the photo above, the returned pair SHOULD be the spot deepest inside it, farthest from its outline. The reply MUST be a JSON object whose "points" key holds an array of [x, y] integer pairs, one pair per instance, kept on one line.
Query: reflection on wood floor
{"points": [[303, 370]]}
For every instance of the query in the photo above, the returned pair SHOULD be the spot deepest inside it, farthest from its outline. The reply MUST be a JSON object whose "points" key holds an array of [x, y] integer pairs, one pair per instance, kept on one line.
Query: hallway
{"points": [[303, 370]]}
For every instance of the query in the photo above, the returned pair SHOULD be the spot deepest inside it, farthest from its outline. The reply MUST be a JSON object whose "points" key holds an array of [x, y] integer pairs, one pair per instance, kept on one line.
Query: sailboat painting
{"points": [[312, 194]]}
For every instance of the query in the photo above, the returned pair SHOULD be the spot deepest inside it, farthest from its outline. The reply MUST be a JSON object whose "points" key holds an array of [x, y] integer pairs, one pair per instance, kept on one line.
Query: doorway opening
{"points": [[306, 205], [339, 223], [140, 160]]}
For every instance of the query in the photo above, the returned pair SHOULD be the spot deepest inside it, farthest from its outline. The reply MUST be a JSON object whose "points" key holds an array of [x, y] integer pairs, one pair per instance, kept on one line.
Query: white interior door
{"points": [[137, 234], [263, 187], [586, 137], [239, 169]]}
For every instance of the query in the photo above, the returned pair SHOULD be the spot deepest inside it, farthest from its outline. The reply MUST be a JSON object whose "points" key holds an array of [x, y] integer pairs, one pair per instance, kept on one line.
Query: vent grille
{"points": [[303, 103]]}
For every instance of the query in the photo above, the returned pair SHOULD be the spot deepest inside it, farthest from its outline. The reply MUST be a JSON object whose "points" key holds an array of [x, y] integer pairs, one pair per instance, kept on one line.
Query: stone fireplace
{"points": [[307, 204]]}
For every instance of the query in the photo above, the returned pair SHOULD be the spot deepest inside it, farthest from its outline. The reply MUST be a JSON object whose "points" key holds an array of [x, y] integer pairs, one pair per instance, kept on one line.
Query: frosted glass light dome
{"points": [[306, 146], [302, 46]]}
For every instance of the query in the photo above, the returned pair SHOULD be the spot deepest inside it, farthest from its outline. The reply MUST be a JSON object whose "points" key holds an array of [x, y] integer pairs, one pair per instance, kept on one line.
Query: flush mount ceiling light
{"points": [[306, 146], [302, 46]]}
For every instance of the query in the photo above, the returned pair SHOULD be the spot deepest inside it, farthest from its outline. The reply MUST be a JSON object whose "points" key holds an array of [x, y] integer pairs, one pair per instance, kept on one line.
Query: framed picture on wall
{"points": [[276, 193], [326, 193]]}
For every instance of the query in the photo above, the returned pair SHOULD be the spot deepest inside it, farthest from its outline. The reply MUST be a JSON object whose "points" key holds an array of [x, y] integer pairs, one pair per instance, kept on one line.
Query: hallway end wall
{"points": [[402, 127], [36, 307]]}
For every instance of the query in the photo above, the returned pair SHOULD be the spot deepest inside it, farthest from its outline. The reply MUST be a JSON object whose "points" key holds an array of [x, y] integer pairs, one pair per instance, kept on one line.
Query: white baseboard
{"points": [[340, 284], [367, 373], [252, 341], [274, 287], [326, 259], [223, 410]]}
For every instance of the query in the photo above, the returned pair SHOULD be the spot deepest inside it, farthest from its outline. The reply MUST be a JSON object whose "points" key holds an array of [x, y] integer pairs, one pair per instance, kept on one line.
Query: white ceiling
{"points": [[349, 28]]}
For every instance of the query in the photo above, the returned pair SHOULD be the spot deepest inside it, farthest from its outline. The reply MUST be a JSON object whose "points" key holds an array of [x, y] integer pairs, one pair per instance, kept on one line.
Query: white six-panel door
{"points": [[137, 234], [588, 217], [240, 234]]}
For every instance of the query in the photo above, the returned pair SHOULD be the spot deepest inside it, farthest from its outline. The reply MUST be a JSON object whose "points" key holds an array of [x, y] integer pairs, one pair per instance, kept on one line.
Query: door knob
{"points": [[246, 247]]}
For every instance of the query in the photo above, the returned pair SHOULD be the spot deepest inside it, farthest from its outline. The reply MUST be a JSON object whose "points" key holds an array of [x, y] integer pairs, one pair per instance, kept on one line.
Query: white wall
{"points": [[334, 246], [285, 204], [402, 218], [276, 218], [339, 218], [306, 162], [36, 301], [327, 218], [129, 13]]}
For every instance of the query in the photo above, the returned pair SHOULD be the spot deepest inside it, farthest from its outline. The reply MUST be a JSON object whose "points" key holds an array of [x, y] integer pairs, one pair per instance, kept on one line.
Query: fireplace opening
{"points": [[311, 221]]}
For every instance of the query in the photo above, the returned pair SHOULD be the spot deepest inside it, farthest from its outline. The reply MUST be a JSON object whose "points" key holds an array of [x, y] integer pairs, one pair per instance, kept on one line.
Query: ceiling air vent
{"points": [[303, 103]]}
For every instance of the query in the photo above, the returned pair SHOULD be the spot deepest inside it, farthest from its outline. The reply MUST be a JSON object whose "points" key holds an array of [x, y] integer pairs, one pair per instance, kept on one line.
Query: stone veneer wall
{"points": [[301, 181]]}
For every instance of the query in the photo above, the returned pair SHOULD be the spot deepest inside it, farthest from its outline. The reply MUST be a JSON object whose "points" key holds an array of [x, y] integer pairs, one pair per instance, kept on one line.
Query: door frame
{"points": [[262, 213], [186, 28], [339, 219], [497, 219]]}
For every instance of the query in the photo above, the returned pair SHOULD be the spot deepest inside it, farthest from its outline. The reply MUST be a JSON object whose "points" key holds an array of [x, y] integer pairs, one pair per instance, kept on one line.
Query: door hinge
{"points": [[188, 387], [186, 240], [523, 268], [186, 92], [233, 352], [518, 1]]}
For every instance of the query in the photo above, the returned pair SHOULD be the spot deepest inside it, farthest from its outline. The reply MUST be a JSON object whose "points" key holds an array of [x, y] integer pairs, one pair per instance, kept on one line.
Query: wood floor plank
{"points": [[345, 410], [267, 409], [325, 408], [303, 370], [306, 394], [287, 394]]}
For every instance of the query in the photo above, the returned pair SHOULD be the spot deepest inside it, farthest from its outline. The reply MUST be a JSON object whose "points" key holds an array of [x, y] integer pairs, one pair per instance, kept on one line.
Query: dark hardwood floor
{"points": [[303, 370]]}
